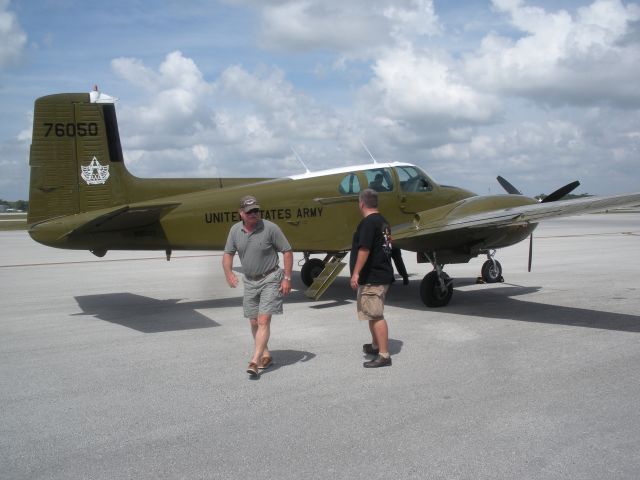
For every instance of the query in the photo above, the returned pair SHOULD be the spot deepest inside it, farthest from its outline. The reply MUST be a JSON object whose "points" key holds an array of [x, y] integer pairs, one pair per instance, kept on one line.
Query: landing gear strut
{"points": [[491, 269], [436, 287]]}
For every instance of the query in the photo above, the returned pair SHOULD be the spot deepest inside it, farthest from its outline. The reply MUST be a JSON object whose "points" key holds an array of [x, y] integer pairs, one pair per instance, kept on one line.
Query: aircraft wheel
{"points": [[431, 293], [310, 270], [492, 273]]}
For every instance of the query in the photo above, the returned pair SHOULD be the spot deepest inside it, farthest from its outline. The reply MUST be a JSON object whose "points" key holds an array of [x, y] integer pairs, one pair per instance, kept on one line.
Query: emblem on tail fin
{"points": [[94, 173]]}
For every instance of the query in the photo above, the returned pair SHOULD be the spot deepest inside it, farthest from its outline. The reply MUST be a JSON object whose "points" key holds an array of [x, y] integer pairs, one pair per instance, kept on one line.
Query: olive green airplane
{"points": [[82, 197]]}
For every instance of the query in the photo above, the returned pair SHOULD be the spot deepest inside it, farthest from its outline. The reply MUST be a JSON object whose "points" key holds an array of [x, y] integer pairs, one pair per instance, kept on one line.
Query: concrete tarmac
{"points": [[134, 367]]}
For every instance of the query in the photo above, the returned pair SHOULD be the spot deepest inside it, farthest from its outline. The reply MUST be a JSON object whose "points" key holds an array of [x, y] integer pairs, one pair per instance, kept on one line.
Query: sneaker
{"points": [[265, 363], [369, 349], [252, 370], [379, 361]]}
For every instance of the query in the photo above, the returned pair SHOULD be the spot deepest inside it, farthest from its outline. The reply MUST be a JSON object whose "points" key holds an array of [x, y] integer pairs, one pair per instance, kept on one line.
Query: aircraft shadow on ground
{"points": [[500, 302], [149, 315]]}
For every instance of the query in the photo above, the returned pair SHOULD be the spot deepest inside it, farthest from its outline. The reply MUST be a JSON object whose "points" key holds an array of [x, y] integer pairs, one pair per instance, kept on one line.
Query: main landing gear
{"points": [[436, 287], [313, 267]]}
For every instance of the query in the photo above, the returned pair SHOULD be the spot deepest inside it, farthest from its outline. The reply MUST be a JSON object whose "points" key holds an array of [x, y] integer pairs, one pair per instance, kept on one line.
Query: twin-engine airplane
{"points": [[82, 197]]}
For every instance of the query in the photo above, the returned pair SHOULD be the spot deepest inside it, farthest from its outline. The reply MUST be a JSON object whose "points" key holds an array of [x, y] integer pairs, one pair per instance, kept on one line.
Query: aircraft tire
{"points": [[310, 270], [491, 273], [430, 292]]}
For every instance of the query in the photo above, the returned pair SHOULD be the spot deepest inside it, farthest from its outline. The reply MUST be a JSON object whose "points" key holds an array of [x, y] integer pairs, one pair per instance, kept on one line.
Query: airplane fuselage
{"points": [[317, 212]]}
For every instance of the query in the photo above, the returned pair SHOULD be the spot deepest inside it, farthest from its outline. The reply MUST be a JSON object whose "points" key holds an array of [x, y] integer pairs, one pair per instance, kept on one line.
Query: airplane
{"points": [[82, 196]]}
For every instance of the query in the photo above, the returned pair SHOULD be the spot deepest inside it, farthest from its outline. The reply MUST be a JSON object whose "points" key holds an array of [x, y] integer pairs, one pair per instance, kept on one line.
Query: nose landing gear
{"points": [[491, 271]]}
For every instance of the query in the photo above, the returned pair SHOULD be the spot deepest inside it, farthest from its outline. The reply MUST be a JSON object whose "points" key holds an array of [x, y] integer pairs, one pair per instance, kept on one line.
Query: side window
{"points": [[379, 179], [349, 184], [412, 180]]}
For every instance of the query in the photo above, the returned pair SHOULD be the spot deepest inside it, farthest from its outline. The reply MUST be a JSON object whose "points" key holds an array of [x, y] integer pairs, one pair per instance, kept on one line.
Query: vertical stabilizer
{"points": [[75, 159]]}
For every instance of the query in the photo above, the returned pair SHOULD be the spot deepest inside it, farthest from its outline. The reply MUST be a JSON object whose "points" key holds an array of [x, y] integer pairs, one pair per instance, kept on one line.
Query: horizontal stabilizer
{"points": [[125, 218]]}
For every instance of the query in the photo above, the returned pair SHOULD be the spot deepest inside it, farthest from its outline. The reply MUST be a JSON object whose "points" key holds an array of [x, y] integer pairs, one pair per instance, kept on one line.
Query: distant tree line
{"points": [[21, 205]]}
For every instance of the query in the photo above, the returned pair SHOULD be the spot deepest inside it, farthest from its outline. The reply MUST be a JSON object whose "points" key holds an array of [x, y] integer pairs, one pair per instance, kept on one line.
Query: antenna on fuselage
{"points": [[299, 159], [365, 147]]}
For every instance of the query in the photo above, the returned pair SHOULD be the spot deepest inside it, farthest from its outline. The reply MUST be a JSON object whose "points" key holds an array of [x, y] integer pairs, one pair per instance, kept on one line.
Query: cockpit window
{"points": [[349, 185], [413, 180], [380, 179]]}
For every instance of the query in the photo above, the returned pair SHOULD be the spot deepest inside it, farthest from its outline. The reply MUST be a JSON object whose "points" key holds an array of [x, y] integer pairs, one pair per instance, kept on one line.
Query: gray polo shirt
{"points": [[258, 250]]}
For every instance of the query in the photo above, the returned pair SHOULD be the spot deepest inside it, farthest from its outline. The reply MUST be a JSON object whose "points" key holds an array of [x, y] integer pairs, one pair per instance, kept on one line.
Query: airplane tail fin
{"points": [[76, 158]]}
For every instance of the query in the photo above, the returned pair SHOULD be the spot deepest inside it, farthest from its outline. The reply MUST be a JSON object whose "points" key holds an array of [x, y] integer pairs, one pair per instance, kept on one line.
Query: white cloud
{"points": [[560, 59], [12, 37], [240, 115], [176, 95], [352, 29], [421, 86], [413, 18]]}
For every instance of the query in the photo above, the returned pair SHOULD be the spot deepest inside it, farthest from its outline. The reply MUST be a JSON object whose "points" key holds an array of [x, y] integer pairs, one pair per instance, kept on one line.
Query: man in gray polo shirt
{"points": [[258, 242]]}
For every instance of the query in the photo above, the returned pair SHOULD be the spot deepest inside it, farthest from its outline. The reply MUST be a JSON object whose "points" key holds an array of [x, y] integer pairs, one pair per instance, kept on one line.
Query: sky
{"points": [[541, 92]]}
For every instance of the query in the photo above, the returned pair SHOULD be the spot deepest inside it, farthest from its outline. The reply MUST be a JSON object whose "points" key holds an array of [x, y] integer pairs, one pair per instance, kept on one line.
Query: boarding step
{"points": [[330, 272]]}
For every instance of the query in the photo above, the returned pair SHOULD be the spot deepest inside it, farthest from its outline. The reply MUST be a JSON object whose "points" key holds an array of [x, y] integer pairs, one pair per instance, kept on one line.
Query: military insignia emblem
{"points": [[94, 173]]}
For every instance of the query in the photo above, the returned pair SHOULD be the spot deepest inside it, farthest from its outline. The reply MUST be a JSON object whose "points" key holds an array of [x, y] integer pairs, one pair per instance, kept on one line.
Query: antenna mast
{"points": [[365, 147], [300, 159]]}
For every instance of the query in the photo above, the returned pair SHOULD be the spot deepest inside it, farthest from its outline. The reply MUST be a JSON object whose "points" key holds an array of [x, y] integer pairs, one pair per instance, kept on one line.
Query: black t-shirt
{"points": [[373, 232]]}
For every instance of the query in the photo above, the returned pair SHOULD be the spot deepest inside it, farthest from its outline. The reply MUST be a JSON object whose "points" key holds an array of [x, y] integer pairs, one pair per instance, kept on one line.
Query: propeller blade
{"points": [[530, 251], [507, 186], [561, 192]]}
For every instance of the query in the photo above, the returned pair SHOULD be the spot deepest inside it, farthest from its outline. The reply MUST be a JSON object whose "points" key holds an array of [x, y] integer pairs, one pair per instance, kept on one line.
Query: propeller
{"points": [[552, 197], [507, 186], [561, 192]]}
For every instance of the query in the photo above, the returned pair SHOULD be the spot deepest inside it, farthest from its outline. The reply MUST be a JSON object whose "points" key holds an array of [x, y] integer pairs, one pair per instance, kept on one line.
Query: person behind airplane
{"points": [[265, 283], [371, 274], [396, 255]]}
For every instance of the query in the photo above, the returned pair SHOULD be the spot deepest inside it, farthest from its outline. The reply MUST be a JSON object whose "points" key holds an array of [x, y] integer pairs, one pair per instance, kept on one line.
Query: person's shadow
{"points": [[285, 358], [395, 346]]}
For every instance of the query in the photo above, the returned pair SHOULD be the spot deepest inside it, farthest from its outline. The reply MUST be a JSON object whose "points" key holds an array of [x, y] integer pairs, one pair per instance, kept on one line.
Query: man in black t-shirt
{"points": [[371, 274]]}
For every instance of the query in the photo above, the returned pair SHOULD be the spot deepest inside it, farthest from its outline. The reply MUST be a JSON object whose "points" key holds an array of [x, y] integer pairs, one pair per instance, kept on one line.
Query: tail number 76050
{"points": [[81, 129]]}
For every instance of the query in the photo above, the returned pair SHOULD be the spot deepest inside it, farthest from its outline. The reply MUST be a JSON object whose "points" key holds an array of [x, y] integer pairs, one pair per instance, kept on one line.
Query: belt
{"points": [[253, 278]]}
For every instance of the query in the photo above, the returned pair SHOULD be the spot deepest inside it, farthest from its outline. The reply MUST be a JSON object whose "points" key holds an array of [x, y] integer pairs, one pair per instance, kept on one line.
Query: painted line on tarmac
{"points": [[44, 264]]}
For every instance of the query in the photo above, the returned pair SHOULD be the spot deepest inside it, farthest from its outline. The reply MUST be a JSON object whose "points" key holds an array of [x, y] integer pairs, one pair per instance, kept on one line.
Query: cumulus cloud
{"points": [[352, 29], [422, 87], [12, 37], [176, 94], [563, 59], [241, 115]]}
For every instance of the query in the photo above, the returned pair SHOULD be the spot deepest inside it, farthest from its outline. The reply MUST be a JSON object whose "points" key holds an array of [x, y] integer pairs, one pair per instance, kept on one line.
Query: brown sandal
{"points": [[265, 363]]}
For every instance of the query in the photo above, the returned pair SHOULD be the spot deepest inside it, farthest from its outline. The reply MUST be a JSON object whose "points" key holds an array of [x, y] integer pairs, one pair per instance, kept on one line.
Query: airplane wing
{"points": [[427, 225]]}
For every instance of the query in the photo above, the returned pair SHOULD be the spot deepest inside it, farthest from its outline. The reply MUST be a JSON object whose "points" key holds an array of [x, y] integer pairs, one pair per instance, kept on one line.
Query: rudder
{"points": [[76, 159]]}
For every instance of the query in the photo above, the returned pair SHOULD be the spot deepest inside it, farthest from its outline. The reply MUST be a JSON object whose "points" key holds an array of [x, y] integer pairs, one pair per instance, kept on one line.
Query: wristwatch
{"points": [[287, 278]]}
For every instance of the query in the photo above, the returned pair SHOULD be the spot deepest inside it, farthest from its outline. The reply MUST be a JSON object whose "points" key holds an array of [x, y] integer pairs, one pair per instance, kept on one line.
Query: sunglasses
{"points": [[255, 211]]}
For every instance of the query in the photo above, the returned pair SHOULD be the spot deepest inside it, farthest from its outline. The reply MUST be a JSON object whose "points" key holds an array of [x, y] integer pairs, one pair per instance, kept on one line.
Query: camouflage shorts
{"points": [[371, 302]]}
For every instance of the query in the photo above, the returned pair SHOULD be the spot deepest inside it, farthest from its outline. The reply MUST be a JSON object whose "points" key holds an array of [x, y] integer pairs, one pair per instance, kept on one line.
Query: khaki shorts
{"points": [[371, 302], [263, 296]]}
